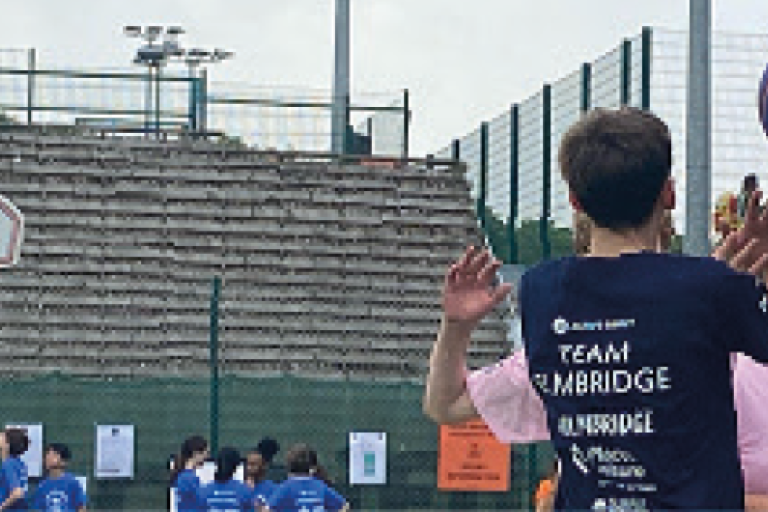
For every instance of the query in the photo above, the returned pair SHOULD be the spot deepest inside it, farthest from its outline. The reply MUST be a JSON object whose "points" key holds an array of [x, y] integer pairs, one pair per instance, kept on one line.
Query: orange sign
{"points": [[471, 459]]}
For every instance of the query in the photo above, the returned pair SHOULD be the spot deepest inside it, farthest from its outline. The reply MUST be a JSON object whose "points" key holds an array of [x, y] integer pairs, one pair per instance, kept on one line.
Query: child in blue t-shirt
{"points": [[13, 472], [60, 491], [257, 464], [225, 494], [303, 491], [185, 484], [629, 349]]}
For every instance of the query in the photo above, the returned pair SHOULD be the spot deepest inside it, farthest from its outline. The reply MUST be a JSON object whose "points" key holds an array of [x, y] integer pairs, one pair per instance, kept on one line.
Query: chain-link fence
{"points": [[165, 102]]}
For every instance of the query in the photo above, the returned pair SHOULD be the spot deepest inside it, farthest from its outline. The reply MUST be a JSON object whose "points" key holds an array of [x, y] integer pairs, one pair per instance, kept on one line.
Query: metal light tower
{"points": [[340, 106], [698, 130], [155, 54]]}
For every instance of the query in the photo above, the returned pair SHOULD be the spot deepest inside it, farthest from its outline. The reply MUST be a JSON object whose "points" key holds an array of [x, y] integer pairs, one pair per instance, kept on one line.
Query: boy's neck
{"points": [[56, 473], [609, 243]]}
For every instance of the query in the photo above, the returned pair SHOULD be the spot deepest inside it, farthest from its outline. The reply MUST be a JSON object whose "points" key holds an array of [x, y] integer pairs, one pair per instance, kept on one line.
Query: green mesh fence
{"points": [[290, 409]]}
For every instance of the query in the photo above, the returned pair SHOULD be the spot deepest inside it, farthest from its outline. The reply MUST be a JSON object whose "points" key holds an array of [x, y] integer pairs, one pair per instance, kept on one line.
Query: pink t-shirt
{"points": [[750, 384], [505, 399], [507, 402]]}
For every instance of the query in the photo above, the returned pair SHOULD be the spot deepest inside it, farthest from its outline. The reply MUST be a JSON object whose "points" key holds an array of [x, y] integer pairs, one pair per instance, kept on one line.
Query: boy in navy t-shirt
{"points": [[14, 482], [302, 491], [630, 350], [60, 491]]}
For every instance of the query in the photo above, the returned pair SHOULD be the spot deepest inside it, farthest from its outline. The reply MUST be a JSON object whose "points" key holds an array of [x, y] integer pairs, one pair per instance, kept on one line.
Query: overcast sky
{"points": [[463, 60]]}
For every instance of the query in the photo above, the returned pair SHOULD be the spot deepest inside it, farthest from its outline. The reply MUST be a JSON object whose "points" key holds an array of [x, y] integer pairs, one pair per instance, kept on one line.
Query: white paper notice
{"points": [[33, 458], [114, 451], [367, 458]]}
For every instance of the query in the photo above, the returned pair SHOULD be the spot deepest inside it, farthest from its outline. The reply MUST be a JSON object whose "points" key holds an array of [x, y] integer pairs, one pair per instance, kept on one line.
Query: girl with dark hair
{"points": [[302, 490], [13, 473], [184, 480], [225, 494], [257, 463]]}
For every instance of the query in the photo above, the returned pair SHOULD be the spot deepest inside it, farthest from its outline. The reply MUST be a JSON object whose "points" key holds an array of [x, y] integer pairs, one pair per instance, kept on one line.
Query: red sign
{"points": [[472, 459]]}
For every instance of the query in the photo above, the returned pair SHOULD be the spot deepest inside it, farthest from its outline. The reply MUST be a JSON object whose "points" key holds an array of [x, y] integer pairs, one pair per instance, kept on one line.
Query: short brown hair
{"points": [[616, 163], [17, 440]]}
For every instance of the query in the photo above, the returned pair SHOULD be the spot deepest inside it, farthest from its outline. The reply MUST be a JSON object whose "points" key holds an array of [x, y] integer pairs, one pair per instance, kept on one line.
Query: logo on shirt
{"points": [[560, 326], [764, 304]]}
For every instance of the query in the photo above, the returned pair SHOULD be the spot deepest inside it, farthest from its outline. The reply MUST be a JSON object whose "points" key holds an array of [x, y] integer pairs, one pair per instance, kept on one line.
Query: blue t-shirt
{"points": [[631, 356], [13, 475], [187, 487], [263, 490], [299, 494], [233, 496], [63, 494]]}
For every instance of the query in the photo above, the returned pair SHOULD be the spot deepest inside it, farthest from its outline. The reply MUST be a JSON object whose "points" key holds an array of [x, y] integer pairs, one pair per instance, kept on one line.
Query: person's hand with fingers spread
{"points": [[469, 293], [746, 250]]}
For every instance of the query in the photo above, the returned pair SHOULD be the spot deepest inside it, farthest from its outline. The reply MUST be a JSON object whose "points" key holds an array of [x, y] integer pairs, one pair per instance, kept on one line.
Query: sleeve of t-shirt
{"points": [[13, 477], [745, 302], [333, 500], [78, 495], [507, 402]]}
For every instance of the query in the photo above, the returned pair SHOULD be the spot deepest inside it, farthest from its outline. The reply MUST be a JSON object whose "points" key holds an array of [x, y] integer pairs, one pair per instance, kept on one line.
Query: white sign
{"points": [[114, 451], [367, 458], [11, 233], [33, 458]]}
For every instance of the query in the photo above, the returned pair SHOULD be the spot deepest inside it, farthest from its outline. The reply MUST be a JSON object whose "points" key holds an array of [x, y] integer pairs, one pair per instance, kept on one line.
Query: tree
{"points": [[528, 239]]}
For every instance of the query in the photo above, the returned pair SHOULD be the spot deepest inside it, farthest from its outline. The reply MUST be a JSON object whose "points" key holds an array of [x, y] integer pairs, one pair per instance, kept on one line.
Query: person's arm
{"points": [[756, 502], [16, 495], [468, 296]]}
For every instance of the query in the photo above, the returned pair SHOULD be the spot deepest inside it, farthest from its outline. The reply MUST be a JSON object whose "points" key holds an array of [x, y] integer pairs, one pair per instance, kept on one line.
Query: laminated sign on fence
{"points": [[471, 459]]}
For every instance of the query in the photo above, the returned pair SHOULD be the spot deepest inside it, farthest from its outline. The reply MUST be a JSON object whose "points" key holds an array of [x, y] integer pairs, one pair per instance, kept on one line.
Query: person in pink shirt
{"points": [[751, 395]]}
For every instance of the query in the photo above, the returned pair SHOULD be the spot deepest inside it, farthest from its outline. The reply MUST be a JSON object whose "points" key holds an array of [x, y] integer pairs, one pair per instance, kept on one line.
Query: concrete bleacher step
{"points": [[127, 235]]}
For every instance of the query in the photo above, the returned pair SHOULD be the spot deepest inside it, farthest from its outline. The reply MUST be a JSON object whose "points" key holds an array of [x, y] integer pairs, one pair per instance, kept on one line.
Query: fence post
{"points": [[202, 118], [586, 87], [483, 192], [546, 249], [31, 68], [456, 150], [406, 123], [647, 38], [514, 163], [193, 85], [626, 72], [214, 364]]}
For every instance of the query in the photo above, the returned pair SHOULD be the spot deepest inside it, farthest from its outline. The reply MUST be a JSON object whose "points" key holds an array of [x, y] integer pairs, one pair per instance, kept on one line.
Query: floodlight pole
{"points": [[340, 100], [698, 130]]}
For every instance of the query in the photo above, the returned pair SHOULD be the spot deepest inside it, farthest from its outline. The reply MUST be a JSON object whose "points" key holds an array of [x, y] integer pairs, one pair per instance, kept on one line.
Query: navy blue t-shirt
{"points": [[631, 356], [13, 475], [63, 494], [301, 493]]}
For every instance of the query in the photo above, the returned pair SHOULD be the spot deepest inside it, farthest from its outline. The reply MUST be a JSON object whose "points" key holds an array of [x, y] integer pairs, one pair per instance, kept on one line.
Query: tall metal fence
{"points": [[518, 181], [258, 117], [512, 163], [289, 409]]}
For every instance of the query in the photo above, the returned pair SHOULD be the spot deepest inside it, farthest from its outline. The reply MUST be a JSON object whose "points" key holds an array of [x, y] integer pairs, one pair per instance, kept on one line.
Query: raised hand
{"points": [[746, 249], [469, 292]]}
